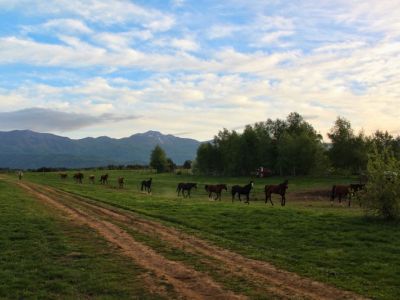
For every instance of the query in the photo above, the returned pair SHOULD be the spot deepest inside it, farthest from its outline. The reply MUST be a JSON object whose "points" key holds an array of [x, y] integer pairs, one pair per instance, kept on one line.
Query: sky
{"points": [[82, 68]]}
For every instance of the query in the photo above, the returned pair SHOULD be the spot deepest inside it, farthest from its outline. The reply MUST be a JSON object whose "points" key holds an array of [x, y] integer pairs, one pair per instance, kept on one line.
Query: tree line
{"points": [[291, 147]]}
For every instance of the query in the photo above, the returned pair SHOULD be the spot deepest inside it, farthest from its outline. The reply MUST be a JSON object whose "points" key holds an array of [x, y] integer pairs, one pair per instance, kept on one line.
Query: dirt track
{"points": [[110, 222]]}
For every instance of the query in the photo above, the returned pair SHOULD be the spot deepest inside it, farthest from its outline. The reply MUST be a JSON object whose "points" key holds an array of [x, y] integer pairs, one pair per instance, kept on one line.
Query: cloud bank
{"points": [[47, 120]]}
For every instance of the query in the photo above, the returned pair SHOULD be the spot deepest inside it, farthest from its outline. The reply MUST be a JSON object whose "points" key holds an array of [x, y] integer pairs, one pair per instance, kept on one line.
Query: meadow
{"points": [[333, 244], [45, 256]]}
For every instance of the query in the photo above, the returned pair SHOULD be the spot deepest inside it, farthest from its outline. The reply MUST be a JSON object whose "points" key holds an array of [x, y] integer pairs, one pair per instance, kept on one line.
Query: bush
{"points": [[382, 196]]}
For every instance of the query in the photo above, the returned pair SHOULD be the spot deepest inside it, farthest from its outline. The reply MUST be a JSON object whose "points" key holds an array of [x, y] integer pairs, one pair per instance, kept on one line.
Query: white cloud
{"points": [[97, 11]]}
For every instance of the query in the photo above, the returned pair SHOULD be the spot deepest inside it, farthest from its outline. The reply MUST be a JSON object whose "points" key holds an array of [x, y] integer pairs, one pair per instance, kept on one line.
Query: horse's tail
{"points": [[206, 187], [333, 192]]}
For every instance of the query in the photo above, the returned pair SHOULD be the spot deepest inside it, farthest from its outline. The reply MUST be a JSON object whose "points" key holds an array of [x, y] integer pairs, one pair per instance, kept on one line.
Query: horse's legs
{"points": [[270, 199], [283, 201]]}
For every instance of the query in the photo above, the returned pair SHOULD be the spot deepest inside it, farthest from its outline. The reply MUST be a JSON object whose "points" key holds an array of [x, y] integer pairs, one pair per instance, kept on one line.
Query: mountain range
{"points": [[25, 149]]}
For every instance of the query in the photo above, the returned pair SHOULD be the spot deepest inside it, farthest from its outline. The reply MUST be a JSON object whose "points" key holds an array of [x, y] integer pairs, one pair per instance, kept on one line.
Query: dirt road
{"points": [[114, 223]]}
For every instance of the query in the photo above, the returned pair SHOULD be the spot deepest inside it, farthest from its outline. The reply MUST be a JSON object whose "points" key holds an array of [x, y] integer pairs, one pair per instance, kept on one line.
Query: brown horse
{"points": [[91, 178], [279, 189], [345, 191], [121, 182], [217, 189], [63, 175], [78, 177], [104, 179]]}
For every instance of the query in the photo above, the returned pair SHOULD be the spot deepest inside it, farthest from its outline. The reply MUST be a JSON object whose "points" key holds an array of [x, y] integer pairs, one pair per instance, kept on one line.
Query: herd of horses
{"points": [[214, 191]]}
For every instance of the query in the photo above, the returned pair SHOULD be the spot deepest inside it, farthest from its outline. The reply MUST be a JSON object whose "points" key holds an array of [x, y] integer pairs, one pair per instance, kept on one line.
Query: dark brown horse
{"points": [[121, 182], [217, 189], [78, 177], [104, 179], [91, 179], [146, 185], [348, 191], [63, 175], [279, 189], [182, 187], [242, 190]]}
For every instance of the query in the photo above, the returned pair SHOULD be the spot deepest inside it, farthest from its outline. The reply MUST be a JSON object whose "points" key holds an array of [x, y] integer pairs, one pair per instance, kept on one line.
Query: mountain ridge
{"points": [[29, 149]]}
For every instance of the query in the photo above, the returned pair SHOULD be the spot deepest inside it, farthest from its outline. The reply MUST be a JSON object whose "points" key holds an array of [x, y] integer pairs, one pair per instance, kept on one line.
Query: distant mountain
{"points": [[26, 149]]}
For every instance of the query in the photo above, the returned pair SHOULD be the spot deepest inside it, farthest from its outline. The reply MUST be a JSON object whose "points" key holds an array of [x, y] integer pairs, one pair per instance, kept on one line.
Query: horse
{"points": [[104, 179], [91, 178], [242, 190], [146, 185], [279, 189], [217, 189], [63, 175], [78, 177], [345, 191], [121, 182], [182, 187], [20, 175]]}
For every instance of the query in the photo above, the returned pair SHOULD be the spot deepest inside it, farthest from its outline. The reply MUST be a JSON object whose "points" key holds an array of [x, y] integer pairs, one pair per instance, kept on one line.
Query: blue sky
{"points": [[192, 68]]}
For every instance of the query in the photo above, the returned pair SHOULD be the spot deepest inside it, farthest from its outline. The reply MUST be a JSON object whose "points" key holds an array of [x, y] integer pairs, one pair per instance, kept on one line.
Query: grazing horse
{"points": [[91, 178], [217, 189], [104, 179], [63, 175], [279, 189], [78, 177], [121, 182], [182, 187], [345, 191], [146, 185], [242, 190]]}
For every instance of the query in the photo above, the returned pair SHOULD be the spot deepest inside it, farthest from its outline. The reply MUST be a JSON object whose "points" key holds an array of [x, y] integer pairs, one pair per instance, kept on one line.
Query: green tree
{"points": [[158, 159], [171, 166], [382, 196], [348, 151], [187, 164]]}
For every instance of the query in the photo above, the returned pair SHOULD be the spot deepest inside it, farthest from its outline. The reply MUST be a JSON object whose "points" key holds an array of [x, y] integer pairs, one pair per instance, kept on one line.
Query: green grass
{"points": [[43, 256], [332, 244]]}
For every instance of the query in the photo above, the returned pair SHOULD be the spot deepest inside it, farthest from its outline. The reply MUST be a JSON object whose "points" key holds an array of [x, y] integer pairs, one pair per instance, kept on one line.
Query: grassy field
{"points": [[43, 256], [336, 244]]}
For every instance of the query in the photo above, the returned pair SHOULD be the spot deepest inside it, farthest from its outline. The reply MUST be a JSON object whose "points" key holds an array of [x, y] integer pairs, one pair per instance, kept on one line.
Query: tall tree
{"points": [[158, 159], [348, 151]]}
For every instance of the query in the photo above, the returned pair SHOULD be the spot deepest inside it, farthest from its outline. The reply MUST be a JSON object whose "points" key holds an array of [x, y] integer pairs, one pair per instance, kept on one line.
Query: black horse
{"points": [[182, 187], [279, 189], [146, 185], [242, 190]]}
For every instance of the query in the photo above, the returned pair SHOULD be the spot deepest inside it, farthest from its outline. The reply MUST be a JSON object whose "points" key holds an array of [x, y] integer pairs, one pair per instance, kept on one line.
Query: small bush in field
{"points": [[382, 197]]}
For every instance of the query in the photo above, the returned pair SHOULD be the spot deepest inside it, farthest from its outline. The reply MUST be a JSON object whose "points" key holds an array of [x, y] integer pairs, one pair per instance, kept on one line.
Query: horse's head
{"points": [[251, 183], [225, 187], [195, 185]]}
